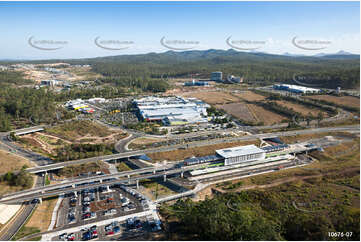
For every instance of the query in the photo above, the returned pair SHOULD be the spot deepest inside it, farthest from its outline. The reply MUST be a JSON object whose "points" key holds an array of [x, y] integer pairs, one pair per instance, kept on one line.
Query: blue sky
{"points": [[272, 25]]}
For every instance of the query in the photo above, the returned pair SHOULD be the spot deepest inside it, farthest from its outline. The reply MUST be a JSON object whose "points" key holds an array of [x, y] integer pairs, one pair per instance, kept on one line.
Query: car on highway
{"points": [[35, 200]]}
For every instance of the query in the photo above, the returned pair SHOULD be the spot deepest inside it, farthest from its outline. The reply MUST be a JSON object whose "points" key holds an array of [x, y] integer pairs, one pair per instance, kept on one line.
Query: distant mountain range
{"points": [[201, 54], [326, 70], [340, 54]]}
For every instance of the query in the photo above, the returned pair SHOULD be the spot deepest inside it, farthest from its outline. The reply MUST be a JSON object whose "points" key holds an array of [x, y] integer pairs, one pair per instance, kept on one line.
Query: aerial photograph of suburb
{"points": [[179, 120]]}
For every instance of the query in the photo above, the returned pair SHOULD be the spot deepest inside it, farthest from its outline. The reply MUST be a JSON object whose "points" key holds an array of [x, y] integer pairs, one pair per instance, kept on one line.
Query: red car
{"points": [[110, 233]]}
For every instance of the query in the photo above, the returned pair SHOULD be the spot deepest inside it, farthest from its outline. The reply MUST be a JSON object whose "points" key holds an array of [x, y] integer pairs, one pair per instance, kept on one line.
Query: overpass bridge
{"points": [[131, 176], [30, 130], [199, 187], [57, 166], [103, 180], [96, 181], [41, 169]]}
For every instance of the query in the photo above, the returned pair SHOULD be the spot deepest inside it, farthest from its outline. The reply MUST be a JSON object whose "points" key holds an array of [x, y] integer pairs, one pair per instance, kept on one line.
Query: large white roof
{"points": [[239, 151]]}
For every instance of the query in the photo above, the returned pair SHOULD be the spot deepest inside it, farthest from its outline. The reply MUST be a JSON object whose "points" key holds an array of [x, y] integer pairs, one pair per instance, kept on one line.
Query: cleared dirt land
{"points": [[265, 116], [251, 96], [181, 154], [76, 132], [41, 218], [146, 140], [11, 162], [346, 100], [140, 142], [213, 97], [238, 110], [301, 109]]}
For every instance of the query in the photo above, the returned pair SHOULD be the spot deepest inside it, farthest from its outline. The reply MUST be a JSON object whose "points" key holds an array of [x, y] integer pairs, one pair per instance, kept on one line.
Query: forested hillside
{"points": [[254, 67]]}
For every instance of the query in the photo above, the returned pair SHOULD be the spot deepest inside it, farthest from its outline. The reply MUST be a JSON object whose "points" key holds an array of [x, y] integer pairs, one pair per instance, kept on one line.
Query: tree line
{"points": [[256, 216]]}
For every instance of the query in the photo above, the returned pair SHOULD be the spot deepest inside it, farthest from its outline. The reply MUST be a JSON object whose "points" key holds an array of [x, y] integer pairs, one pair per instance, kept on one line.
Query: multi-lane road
{"points": [[17, 222], [352, 128]]}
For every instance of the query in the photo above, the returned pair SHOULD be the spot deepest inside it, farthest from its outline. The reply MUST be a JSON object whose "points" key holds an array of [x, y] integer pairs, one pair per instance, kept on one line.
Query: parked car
{"points": [[63, 236], [87, 236], [71, 237], [86, 209], [108, 227], [116, 229]]}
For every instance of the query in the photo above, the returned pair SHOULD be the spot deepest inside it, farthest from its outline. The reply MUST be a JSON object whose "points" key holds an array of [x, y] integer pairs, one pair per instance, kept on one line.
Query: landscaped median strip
{"points": [[55, 212]]}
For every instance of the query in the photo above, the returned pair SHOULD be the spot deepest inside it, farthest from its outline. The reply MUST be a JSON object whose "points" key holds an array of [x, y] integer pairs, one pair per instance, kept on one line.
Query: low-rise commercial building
{"points": [[172, 110], [216, 76], [196, 83], [295, 88], [241, 154]]}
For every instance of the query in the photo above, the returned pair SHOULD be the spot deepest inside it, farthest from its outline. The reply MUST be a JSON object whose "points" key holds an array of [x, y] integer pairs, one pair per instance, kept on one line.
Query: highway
{"points": [[7, 144], [193, 144], [29, 196], [102, 180], [90, 179], [20, 218]]}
